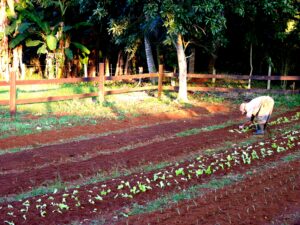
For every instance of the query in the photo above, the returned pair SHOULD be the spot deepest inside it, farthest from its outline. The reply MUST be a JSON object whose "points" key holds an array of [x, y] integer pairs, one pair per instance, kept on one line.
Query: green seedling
{"points": [[254, 155], [179, 171], [63, 206]]}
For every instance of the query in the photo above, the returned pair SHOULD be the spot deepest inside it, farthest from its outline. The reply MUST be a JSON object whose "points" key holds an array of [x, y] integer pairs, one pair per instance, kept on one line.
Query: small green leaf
{"points": [[179, 171], [63, 206], [69, 53], [51, 42], [81, 47], [17, 40], [42, 49], [208, 170], [99, 198], [120, 186], [199, 172]]}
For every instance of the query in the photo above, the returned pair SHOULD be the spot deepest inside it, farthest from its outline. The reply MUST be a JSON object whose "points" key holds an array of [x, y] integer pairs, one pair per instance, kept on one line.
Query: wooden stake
{"points": [[13, 95], [160, 80], [101, 82], [269, 74]]}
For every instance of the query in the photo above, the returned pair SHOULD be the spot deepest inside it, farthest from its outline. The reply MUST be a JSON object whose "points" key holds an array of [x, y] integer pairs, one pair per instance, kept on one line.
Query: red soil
{"points": [[71, 161], [23, 170], [259, 199], [109, 126]]}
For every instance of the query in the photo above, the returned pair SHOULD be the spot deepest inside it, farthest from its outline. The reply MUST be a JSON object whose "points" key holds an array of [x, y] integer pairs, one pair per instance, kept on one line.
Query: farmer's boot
{"points": [[259, 129], [265, 125]]}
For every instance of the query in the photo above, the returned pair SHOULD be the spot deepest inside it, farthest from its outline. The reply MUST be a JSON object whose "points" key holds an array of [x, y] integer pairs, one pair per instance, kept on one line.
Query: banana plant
{"points": [[32, 29]]}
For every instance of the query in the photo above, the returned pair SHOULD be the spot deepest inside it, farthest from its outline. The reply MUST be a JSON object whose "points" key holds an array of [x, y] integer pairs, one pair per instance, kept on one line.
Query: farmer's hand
{"points": [[247, 124]]}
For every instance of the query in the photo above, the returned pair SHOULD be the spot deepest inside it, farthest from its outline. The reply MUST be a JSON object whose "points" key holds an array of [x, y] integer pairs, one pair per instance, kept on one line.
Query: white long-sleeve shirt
{"points": [[260, 107]]}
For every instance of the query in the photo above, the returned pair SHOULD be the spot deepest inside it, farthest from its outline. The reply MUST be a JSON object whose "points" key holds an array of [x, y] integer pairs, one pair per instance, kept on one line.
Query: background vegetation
{"points": [[43, 38], [216, 35]]}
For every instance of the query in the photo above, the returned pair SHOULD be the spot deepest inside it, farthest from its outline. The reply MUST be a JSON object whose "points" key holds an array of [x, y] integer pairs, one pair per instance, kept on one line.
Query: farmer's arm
{"points": [[251, 109], [247, 123]]}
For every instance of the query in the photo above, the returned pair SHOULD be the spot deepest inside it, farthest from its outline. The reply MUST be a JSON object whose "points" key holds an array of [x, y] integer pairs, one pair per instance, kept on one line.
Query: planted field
{"points": [[193, 168]]}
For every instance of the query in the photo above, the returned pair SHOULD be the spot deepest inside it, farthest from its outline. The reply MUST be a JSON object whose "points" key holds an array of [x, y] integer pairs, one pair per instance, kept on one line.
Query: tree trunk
{"points": [[126, 65], [251, 67], [211, 66], [85, 70], [92, 70], [149, 56], [60, 53], [107, 73], [269, 74], [4, 55], [159, 57], [59, 64], [50, 66], [285, 70], [192, 61], [18, 65], [119, 66], [182, 64], [15, 64]]}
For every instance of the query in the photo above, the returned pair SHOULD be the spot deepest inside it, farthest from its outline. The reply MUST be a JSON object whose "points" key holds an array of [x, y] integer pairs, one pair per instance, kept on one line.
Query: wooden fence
{"points": [[161, 75], [240, 77]]}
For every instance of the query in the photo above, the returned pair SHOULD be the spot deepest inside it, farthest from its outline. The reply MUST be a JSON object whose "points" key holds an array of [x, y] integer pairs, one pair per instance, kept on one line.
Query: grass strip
{"points": [[204, 129]]}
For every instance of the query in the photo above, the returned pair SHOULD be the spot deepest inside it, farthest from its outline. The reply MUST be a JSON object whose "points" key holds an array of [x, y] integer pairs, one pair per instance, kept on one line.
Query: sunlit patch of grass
{"points": [[21, 126], [4, 93], [139, 103], [34, 91], [207, 97], [289, 101], [282, 102], [53, 115]]}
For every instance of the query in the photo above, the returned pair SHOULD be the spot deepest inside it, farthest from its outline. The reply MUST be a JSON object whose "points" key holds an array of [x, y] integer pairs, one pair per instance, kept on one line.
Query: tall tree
{"points": [[6, 10], [264, 26], [185, 20]]}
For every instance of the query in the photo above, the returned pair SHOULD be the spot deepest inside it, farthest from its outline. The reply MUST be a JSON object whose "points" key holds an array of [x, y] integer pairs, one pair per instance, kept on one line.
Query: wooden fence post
{"points": [[160, 80], [101, 82], [13, 94], [269, 75]]}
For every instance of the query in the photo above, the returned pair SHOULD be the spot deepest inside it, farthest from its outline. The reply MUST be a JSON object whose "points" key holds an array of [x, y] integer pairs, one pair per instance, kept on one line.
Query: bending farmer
{"points": [[258, 109]]}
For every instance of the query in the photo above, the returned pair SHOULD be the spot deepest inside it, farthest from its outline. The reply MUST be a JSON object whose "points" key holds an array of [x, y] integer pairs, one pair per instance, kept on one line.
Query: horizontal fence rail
{"points": [[150, 75], [243, 77], [238, 90], [100, 80]]}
